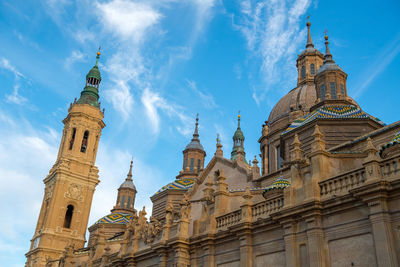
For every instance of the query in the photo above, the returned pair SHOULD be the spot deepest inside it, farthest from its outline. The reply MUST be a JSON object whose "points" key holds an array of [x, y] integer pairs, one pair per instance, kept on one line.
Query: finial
{"points": [[98, 56], [129, 177], [196, 129], [239, 119], [309, 40], [328, 55]]}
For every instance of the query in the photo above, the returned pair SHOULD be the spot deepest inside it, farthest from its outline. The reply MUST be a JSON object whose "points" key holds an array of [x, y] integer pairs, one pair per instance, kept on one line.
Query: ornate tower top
{"points": [[193, 155], [90, 94], [219, 152], [238, 141], [309, 60], [126, 195]]}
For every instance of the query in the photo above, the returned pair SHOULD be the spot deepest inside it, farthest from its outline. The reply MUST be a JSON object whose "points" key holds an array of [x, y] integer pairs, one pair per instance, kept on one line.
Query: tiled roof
{"points": [[116, 218], [178, 184], [394, 141], [332, 112]]}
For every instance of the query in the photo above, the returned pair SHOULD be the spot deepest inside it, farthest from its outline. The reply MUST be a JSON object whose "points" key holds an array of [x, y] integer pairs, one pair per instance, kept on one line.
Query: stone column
{"points": [[383, 234], [315, 237], [209, 252], [290, 243], [246, 248]]}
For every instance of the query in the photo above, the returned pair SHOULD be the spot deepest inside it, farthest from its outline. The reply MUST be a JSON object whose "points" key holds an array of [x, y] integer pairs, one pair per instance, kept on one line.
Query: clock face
{"points": [[36, 242]]}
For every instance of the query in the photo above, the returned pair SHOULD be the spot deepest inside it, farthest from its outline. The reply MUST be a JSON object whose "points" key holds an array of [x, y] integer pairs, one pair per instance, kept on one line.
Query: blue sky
{"points": [[162, 62]]}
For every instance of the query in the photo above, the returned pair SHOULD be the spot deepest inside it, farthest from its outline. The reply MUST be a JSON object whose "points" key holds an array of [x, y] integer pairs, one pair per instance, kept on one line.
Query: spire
{"points": [[128, 183], [238, 141], [328, 55], [219, 152], [309, 40], [195, 142], [90, 94]]}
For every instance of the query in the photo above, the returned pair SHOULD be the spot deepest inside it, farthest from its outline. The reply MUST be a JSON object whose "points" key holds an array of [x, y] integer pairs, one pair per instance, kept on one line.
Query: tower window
{"points": [[342, 89], [129, 203], [333, 90], [123, 202], [68, 216], [185, 163], [303, 71], [71, 143], [322, 89], [279, 159], [191, 164], [312, 69], [198, 165], [84, 141]]}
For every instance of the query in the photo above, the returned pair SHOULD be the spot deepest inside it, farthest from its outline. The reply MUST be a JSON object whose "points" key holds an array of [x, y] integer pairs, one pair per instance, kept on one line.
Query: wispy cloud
{"points": [[128, 19], [378, 64], [273, 35], [76, 56], [14, 97], [154, 104], [206, 98]]}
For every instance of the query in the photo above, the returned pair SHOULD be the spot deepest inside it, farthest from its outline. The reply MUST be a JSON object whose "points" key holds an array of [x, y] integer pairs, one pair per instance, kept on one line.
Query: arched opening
{"points": [[303, 72], [71, 142], [68, 216], [84, 141], [198, 165], [123, 202], [312, 69], [322, 88], [191, 164]]}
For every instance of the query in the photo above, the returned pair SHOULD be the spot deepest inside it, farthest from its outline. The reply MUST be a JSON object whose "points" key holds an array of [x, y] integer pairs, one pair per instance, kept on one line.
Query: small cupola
{"points": [[126, 195], [238, 143], [90, 94], [309, 61], [330, 79]]}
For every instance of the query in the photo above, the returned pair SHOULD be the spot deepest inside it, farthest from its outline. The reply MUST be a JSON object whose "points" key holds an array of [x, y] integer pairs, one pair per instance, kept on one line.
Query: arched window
{"points": [[123, 202], [71, 142], [198, 165], [84, 141], [322, 90], [129, 202], [312, 69], [185, 163], [68, 216], [333, 90], [342, 89], [303, 71], [191, 164]]}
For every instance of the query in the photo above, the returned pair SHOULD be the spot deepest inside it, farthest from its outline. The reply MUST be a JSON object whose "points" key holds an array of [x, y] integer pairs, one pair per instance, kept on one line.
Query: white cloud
{"points": [[206, 99], [273, 34], [76, 56], [5, 64], [154, 104], [15, 97], [128, 19]]}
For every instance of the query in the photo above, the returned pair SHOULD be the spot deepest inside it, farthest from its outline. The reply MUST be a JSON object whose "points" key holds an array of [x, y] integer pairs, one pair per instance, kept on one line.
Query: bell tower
{"points": [[71, 182]]}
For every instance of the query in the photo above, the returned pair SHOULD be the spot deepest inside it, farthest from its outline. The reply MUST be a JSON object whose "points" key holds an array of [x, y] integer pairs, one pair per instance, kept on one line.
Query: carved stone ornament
{"points": [[48, 192], [74, 192]]}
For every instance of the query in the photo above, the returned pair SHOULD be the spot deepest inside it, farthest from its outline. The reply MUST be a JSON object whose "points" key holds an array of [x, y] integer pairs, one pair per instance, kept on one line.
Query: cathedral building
{"points": [[326, 193]]}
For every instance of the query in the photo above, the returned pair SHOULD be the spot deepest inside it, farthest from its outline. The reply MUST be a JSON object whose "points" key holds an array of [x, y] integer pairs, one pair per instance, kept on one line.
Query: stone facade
{"points": [[327, 193]]}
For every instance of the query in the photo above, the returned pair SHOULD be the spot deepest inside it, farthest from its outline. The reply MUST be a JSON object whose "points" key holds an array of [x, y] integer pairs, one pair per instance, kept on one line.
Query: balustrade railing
{"points": [[390, 168], [266, 207], [342, 183], [229, 219]]}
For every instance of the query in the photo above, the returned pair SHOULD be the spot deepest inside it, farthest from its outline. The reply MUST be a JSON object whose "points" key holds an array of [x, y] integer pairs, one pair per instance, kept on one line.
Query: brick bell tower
{"points": [[71, 182]]}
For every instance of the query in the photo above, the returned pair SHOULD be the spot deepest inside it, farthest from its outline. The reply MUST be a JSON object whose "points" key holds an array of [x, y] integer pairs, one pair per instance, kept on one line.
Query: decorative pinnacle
{"points": [[239, 120], [129, 177], [98, 56], [196, 129], [309, 40], [328, 55]]}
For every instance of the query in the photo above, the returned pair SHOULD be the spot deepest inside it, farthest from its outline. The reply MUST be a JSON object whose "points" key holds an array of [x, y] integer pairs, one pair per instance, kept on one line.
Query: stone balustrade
{"points": [[390, 168], [229, 219], [340, 185], [266, 207]]}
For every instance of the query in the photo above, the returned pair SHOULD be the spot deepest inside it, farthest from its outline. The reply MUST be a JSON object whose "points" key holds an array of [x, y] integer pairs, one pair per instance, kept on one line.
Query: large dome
{"points": [[299, 98]]}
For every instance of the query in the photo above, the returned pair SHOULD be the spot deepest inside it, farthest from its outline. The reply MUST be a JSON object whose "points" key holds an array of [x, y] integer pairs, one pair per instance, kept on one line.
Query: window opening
{"points": [[68, 216], [303, 71], [198, 164], [71, 143], [333, 90], [84, 141], [123, 202], [322, 88], [191, 164], [312, 69], [342, 89]]}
